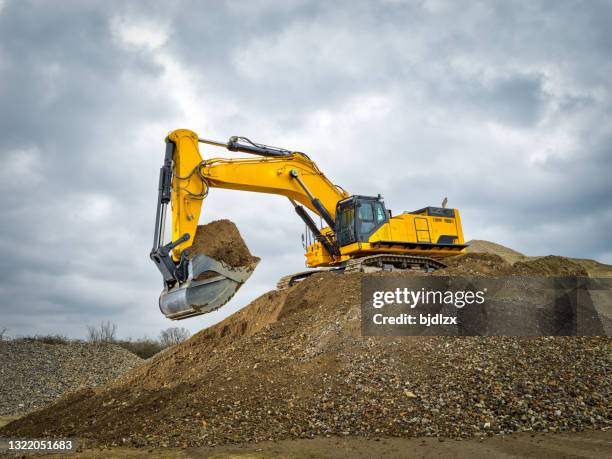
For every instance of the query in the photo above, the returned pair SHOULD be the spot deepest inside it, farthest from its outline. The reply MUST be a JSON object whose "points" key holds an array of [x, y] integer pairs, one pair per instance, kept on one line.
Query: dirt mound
{"points": [[480, 246], [476, 264], [489, 264], [222, 241], [549, 266], [294, 364], [594, 268], [34, 374]]}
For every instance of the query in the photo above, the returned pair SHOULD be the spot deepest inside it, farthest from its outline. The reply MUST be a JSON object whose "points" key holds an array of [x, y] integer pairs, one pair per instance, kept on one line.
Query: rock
{"points": [[36, 374]]}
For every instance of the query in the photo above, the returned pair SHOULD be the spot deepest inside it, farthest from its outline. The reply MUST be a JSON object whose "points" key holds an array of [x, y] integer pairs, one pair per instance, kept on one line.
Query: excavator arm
{"points": [[277, 171], [185, 181]]}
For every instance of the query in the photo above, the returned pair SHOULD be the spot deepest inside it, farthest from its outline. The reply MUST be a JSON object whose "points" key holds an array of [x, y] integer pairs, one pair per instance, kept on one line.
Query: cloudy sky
{"points": [[504, 107]]}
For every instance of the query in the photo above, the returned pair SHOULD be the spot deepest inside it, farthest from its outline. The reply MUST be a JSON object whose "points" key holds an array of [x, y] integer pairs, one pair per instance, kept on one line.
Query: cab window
{"points": [[366, 218], [346, 218], [365, 213], [345, 231], [379, 212]]}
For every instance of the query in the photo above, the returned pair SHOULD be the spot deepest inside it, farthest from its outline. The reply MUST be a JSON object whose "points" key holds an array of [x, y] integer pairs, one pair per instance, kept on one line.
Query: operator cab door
{"points": [[345, 226], [370, 216], [358, 218]]}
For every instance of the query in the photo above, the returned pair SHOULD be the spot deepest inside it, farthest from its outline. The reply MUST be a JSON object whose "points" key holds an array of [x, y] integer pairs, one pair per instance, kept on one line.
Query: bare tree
{"points": [[2, 332], [173, 335], [103, 333]]}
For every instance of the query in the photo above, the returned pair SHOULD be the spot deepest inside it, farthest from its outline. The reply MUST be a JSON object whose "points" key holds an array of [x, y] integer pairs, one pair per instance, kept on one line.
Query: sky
{"points": [[503, 107]]}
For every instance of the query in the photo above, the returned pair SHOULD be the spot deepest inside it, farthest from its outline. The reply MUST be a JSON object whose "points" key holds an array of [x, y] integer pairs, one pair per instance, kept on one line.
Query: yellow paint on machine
{"points": [[416, 233]]}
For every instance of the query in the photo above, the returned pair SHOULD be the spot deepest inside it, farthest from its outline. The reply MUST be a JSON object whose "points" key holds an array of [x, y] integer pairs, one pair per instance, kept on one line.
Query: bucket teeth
{"points": [[210, 284]]}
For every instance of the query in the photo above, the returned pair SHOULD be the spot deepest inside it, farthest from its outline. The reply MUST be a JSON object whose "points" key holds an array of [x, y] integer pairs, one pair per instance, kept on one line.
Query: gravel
{"points": [[34, 374], [293, 364]]}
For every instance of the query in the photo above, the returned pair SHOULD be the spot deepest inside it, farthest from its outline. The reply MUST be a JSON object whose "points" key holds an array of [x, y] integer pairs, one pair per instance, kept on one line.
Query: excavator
{"points": [[356, 233]]}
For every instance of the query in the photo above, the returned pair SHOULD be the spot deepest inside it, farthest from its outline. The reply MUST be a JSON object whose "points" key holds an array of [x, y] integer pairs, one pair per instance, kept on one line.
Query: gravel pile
{"points": [[34, 374], [294, 364]]}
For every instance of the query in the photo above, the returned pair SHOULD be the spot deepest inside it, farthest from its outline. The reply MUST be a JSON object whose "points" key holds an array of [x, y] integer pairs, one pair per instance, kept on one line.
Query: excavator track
{"points": [[390, 262], [372, 263], [292, 279]]}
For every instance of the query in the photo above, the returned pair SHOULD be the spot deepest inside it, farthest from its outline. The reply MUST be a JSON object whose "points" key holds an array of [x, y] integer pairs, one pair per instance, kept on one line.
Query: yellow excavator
{"points": [[358, 234]]}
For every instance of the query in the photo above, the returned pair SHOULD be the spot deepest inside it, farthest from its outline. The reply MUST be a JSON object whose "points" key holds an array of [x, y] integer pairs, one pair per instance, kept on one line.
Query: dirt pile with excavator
{"points": [[293, 364]]}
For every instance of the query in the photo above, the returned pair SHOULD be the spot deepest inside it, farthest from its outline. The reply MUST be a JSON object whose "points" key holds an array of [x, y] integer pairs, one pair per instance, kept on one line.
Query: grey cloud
{"points": [[517, 100], [502, 107]]}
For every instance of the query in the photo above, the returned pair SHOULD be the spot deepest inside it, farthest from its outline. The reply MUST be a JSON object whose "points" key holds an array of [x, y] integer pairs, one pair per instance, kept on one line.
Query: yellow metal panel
{"points": [[421, 224], [458, 227], [273, 175], [185, 185], [422, 229]]}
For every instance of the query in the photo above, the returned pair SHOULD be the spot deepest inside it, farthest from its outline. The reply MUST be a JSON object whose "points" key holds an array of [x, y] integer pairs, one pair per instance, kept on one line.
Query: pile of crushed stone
{"points": [[294, 364], [222, 241], [34, 374]]}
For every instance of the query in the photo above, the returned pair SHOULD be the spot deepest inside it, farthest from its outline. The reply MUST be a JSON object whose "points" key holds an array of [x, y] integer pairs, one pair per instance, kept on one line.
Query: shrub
{"points": [[173, 335], [143, 348], [47, 339], [103, 333]]}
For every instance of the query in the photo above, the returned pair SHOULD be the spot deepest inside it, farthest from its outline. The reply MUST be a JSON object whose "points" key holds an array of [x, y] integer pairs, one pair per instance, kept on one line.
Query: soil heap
{"points": [[480, 246], [592, 267], [222, 241], [293, 363]]}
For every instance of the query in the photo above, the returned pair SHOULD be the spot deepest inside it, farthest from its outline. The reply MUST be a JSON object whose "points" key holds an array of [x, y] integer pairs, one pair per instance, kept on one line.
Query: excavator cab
{"points": [[358, 217]]}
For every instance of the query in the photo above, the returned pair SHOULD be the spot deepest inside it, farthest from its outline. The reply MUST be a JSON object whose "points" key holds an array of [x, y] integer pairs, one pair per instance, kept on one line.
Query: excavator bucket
{"points": [[210, 284], [203, 266]]}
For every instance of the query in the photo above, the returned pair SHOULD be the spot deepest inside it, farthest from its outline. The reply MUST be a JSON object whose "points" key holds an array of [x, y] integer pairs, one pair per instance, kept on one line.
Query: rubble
{"points": [[35, 374]]}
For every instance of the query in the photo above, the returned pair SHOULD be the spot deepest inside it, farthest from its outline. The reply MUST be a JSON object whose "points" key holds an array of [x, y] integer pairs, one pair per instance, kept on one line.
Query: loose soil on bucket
{"points": [[222, 241]]}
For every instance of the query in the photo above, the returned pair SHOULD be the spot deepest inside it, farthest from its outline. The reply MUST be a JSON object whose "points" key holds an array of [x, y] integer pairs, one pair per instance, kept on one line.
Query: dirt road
{"points": [[594, 444]]}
